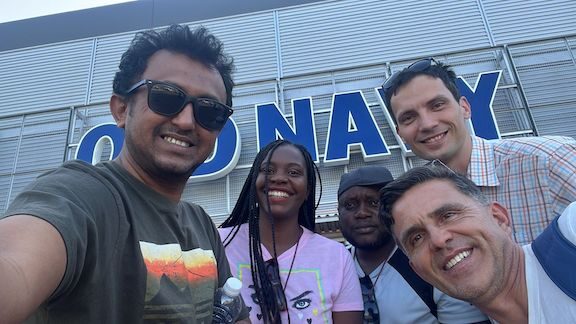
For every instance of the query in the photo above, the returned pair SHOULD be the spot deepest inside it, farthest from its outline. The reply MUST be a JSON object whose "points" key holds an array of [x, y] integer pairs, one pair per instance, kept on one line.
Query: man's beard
{"points": [[384, 238]]}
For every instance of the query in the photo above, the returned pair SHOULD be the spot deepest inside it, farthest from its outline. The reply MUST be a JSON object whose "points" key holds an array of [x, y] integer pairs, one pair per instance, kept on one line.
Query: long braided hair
{"points": [[246, 211]]}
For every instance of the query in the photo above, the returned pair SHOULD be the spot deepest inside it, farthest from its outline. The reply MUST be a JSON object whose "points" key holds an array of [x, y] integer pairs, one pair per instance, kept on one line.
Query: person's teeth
{"points": [[434, 139], [455, 260], [175, 141], [280, 194]]}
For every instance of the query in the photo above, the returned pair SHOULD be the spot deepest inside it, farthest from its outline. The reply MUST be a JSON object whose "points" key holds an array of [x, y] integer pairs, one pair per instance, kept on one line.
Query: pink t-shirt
{"points": [[323, 278]]}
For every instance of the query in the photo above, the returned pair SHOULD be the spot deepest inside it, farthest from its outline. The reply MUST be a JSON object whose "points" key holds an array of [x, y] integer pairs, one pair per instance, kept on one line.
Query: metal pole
{"points": [[521, 90]]}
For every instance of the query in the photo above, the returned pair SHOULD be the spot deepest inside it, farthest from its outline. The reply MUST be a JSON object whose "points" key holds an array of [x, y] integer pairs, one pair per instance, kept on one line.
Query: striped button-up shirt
{"points": [[534, 177]]}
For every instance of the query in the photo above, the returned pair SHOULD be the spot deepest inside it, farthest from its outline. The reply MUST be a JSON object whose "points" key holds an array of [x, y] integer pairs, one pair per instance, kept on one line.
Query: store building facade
{"points": [[306, 70]]}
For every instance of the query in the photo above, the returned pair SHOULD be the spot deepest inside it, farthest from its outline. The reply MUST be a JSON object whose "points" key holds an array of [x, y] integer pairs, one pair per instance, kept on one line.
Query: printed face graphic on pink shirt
{"points": [[296, 304], [306, 297]]}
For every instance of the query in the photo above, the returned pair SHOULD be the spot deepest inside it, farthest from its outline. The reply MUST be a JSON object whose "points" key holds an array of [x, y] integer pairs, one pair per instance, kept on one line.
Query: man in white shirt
{"points": [[461, 242]]}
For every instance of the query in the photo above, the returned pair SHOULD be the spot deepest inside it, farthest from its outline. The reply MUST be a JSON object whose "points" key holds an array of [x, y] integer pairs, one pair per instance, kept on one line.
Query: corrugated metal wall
{"points": [[345, 34], [45, 77], [107, 52], [312, 51], [548, 73], [514, 21]]}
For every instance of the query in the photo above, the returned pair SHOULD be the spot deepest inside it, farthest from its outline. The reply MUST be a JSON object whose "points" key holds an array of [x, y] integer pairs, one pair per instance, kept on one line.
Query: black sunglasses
{"points": [[168, 100], [439, 164], [417, 66], [371, 312]]}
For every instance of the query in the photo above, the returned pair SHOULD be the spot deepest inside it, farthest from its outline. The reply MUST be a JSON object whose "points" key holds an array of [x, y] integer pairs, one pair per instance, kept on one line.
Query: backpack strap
{"points": [[400, 262], [557, 255]]}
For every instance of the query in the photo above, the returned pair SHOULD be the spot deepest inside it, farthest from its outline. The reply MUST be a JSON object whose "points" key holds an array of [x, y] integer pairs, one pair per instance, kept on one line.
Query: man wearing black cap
{"points": [[392, 292]]}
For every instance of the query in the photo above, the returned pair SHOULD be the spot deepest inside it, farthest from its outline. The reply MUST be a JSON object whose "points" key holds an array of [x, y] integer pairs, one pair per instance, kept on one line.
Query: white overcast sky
{"points": [[12, 10]]}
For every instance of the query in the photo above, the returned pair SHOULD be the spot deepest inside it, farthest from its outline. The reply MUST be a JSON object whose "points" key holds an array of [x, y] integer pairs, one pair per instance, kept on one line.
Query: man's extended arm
{"points": [[32, 264]]}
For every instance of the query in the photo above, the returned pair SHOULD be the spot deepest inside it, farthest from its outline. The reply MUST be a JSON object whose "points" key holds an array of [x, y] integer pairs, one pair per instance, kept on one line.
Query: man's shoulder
{"points": [[70, 167], [192, 207], [197, 218], [327, 243], [196, 213], [535, 145], [71, 174]]}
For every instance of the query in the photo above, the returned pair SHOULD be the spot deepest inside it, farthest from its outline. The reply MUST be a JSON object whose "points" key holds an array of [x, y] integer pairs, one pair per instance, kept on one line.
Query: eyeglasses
{"points": [[168, 100], [371, 313], [273, 273], [438, 163], [417, 66]]}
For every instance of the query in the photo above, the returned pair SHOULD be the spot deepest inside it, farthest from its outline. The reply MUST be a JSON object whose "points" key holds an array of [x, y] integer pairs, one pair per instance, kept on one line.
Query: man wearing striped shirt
{"points": [[534, 177]]}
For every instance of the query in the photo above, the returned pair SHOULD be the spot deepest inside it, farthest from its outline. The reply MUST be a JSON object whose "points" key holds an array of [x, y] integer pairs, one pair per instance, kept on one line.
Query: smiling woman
{"points": [[288, 271]]}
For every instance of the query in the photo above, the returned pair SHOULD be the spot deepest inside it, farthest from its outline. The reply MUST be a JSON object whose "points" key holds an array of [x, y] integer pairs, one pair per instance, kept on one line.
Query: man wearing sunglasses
{"points": [[114, 243], [534, 177], [392, 291]]}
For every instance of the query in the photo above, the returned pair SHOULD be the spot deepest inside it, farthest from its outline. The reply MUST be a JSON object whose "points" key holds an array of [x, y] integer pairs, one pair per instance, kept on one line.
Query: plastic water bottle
{"points": [[227, 302]]}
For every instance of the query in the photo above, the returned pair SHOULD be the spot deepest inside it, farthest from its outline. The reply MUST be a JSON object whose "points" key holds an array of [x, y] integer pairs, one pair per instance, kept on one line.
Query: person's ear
{"points": [[119, 109], [502, 216], [467, 110]]}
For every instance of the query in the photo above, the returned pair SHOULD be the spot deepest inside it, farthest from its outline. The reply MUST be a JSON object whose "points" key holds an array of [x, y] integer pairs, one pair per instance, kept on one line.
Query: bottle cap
{"points": [[232, 287]]}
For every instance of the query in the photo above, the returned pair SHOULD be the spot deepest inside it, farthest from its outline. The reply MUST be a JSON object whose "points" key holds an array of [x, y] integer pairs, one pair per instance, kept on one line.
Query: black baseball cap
{"points": [[364, 176]]}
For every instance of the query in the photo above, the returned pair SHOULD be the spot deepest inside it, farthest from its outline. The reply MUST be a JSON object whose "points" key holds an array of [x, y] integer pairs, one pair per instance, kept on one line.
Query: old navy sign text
{"points": [[351, 124]]}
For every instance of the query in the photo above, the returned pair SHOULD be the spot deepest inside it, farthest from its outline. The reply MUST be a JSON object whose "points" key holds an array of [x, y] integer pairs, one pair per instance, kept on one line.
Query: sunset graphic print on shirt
{"points": [[180, 284]]}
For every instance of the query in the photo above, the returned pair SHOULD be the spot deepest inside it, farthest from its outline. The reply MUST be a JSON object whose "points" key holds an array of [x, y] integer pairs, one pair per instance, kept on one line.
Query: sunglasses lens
{"points": [[420, 65], [386, 86], [165, 99], [168, 100], [211, 114], [439, 164], [417, 66]]}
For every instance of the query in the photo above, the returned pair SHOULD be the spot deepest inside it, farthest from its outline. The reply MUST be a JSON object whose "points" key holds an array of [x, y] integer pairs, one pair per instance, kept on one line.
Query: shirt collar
{"points": [[357, 263]]}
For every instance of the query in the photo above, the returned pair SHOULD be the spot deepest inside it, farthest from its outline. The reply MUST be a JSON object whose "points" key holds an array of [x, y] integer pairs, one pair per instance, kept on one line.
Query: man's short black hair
{"points": [[396, 189], [438, 70], [198, 44]]}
